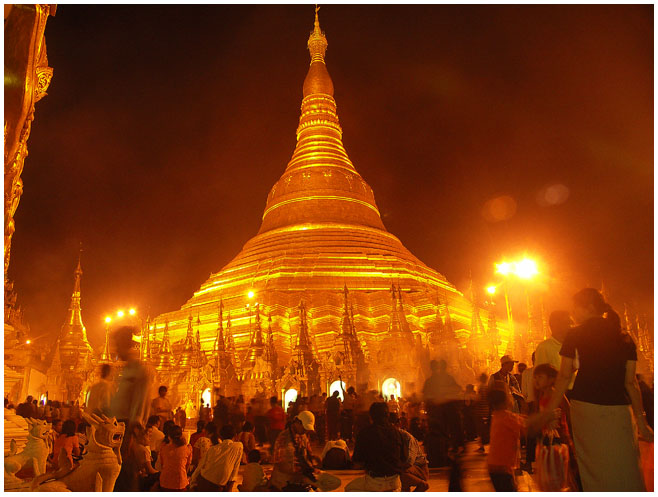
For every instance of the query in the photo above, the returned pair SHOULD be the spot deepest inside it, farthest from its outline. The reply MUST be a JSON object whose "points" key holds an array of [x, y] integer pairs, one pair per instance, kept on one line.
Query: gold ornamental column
{"points": [[27, 77]]}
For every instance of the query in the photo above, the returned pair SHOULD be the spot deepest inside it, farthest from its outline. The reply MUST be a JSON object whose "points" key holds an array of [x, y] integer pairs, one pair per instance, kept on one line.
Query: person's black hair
{"points": [[162, 388], [592, 297], [547, 369], [521, 365], [558, 319], [6, 401], [274, 400], [152, 421], [253, 455], [393, 418], [166, 428], [200, 425], [379, 412], [55, 421], [82, 427], [247, 426], [211, 432], [533, 358], [227, 432], [68, 428], [497, 398], [106, 369], [176, 435]]}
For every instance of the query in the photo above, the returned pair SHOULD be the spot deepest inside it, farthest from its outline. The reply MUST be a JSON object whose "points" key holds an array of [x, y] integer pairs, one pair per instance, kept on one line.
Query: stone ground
{"points": [[475, 477]]}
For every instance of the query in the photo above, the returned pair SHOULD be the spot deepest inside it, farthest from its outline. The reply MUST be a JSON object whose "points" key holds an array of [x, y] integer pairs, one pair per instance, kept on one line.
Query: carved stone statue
{"points": [[100, 468], [33, 455]]}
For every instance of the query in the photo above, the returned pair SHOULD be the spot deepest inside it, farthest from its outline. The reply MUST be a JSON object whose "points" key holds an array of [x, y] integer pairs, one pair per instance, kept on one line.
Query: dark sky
{"points": [[165, 127]]}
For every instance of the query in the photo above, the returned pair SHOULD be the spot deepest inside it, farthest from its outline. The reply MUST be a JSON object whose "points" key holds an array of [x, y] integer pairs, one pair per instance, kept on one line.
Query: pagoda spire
{"points": [[220, 345], [320, 183], [187, 358], [256, 347], [348, 325], [166, 359], [105, 355], [74, 346], [270, 351]]}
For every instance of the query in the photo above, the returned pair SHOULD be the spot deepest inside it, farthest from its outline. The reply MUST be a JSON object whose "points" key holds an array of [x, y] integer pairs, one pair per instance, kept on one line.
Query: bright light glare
{"points": [[132, 312], [526, 269], [120, 314], [504, 268], [491, 289], [28, 342], [251, 294], [108, 319]]}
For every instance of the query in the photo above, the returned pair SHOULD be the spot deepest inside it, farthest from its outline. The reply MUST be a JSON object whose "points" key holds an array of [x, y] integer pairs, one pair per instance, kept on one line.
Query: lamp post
{"points": [[524, 269]]}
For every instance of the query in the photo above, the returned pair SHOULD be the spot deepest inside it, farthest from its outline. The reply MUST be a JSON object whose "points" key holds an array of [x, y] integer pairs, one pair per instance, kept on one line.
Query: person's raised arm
{"points": [[633, 389], [562, 384]]}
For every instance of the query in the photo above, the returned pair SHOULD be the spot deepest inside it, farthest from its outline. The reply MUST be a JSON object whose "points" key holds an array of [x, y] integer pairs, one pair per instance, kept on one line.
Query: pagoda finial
{"points": [[317, 41]]}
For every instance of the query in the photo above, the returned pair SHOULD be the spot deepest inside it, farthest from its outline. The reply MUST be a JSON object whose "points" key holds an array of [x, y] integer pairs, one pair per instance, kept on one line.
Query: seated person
{"points": [[253, 479], [336, 455]]}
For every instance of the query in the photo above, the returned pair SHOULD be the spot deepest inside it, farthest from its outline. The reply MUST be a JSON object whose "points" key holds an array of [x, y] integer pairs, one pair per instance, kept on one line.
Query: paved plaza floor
{"points": [[475, 477]]}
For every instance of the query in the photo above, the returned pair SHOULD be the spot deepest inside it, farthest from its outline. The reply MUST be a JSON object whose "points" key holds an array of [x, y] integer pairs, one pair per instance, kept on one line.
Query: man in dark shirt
{"points": [[383, 453], [333, 415]]}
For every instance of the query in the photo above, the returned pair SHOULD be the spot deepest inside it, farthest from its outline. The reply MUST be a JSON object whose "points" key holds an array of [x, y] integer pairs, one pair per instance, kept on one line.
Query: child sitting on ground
{"points": [[506, 429], [253, 479]]}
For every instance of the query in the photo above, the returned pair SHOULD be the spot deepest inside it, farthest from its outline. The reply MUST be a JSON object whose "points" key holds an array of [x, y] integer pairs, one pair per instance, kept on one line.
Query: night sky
{"points": [[165, 127]]}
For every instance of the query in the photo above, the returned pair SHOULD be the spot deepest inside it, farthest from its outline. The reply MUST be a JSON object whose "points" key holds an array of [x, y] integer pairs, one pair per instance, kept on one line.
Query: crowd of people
{"points": [[580, 403]]}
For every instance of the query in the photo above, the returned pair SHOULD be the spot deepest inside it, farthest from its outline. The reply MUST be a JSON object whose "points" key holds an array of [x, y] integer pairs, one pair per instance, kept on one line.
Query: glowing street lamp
{"points": [[250, 294], [28, 342], [505, 268], [108, 319], [120, 314], [526, 269], [491, 289], [132, 312]]}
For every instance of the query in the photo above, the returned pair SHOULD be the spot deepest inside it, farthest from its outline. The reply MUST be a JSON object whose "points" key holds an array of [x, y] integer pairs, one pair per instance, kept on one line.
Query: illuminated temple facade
{"points": [[330, 281]]}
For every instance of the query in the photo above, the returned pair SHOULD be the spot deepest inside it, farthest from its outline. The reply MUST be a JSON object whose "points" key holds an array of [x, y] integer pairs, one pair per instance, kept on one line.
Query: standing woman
{"points": [[175, 458], [606, 405]]}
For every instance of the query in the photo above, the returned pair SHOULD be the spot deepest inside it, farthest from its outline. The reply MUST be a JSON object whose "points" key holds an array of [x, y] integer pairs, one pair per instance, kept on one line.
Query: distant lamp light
{"points": [[108, 319], [120, 314], [504, 268], [491, 289], [251, 294], [28, 342], [132, 312], [526, 269]]}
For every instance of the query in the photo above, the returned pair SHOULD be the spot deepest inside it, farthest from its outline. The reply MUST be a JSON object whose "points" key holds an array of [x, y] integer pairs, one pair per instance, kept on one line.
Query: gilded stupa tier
{"points": [[321, 231]]}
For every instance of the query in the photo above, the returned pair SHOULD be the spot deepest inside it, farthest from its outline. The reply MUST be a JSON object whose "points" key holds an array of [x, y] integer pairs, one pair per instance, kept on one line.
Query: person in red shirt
{"points": [[67, 441], [199, 432], [174, 460], [276, 418], [506, 429]]}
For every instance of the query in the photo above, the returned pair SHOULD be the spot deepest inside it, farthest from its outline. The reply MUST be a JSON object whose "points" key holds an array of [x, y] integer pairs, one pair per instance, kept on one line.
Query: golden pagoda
{"points": [[74, 347], [322, 232]]}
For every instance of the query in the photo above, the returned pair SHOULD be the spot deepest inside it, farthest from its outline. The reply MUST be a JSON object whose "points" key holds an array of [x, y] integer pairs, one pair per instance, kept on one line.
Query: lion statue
{"points": [[100, 467], [34, 454]]}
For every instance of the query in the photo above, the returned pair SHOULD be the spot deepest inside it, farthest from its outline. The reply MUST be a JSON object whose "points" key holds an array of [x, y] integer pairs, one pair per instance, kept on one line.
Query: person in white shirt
{"points": [[218, 468], [548, 351], [100, 394], [153, 435], [253, 478]]}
